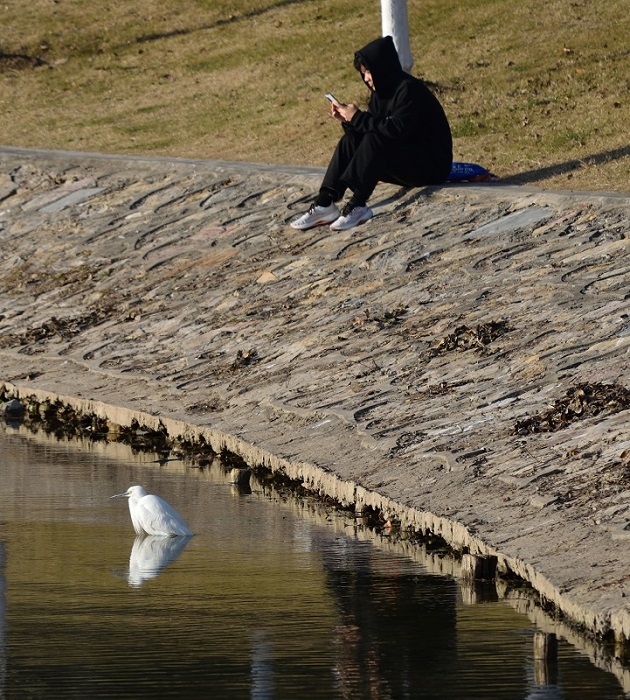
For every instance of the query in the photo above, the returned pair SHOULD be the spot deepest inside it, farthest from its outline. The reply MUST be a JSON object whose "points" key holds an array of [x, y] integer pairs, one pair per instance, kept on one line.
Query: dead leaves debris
{"points": [[63, 329], [466, 338], [380, 321], [582, 401], [245, 358]]}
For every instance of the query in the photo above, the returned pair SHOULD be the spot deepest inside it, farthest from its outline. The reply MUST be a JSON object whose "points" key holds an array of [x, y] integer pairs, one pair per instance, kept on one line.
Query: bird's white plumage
{"points": [[152, 515]]}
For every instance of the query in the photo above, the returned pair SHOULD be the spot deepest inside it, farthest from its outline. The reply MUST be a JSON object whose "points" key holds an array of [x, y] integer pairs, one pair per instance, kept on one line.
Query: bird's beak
{"points": [[120, 495]]}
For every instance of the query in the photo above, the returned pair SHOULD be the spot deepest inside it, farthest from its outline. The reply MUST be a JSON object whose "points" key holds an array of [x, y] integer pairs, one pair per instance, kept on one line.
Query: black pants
{"points": [[361, 161]]}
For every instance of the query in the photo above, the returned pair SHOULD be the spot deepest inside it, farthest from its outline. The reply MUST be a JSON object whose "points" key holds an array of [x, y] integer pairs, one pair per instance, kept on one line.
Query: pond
{"points": [[273, 597]]}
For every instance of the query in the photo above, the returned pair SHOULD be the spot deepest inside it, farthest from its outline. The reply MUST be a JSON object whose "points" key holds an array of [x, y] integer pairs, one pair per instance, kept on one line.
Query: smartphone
{"points": [[332, 98]]}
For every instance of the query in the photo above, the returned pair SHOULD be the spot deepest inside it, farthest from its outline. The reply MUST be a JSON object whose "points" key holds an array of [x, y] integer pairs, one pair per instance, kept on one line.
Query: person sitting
{"points": [[403, 138]]}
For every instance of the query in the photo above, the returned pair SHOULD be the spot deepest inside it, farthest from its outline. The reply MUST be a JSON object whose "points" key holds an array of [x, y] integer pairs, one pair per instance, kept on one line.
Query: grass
{"points": [[537, 92]]}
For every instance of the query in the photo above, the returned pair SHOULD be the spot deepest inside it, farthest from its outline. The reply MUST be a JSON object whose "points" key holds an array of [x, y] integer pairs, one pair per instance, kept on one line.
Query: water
{"points": [[270, 599]]}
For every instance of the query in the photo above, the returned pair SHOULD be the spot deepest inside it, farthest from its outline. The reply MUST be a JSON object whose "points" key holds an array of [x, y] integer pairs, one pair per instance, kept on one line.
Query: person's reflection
{"points": [[149, 555]]}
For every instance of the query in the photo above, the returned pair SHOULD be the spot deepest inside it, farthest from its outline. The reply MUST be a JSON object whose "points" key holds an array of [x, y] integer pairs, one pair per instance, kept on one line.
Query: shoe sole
{"points": [[347, 228], [310, 226], [325, 222]]}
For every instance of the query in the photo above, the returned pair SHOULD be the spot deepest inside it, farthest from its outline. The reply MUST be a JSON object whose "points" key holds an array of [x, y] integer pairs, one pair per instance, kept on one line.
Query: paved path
{"points": [[412, 364]]}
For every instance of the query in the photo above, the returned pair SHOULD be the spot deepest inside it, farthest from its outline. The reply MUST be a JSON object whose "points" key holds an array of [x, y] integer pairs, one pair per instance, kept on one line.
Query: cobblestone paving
{"points": [[464, 356]]}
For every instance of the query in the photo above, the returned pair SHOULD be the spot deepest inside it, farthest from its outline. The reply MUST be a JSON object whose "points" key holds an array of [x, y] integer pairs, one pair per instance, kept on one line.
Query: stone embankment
{"points": [[460, 363]]}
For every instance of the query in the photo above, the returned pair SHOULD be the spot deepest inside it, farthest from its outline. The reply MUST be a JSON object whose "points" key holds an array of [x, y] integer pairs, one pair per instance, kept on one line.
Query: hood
{"points": [[381, 57]]}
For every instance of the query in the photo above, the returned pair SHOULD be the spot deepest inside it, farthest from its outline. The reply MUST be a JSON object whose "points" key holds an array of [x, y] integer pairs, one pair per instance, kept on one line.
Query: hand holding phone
{"points": [[332, 98]]}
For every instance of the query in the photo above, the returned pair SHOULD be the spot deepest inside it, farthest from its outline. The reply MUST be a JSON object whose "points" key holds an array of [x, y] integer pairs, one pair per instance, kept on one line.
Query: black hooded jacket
{"points": [[403, 110]]}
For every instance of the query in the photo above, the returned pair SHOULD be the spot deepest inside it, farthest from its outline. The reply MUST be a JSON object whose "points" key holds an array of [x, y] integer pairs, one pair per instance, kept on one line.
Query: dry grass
{"points": [[537, 92]]}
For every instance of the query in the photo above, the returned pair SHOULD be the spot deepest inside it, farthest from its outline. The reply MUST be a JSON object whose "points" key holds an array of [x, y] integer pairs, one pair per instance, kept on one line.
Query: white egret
{"points": [[152, 515]]}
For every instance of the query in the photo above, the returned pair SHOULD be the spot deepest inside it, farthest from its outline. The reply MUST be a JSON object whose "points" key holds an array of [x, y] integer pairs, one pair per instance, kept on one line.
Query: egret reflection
{"points": [[149, 555]]}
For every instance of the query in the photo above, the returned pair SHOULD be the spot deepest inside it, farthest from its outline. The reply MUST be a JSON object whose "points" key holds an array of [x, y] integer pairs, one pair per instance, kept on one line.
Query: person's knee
{"points": [[374, 140], [350, 141]]}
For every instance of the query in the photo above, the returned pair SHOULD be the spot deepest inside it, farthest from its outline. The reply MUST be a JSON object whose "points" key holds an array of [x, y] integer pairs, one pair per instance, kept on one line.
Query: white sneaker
{"points": [[316, 216], [351, 218]]}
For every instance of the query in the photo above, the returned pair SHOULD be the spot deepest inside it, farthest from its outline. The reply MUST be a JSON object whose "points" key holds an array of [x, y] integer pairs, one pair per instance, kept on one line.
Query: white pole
{"points": [[396, 25]]}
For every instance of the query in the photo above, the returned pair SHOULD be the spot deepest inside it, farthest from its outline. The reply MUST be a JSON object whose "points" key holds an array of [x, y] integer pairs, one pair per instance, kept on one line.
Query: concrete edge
{"points": [[499, 189]]}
